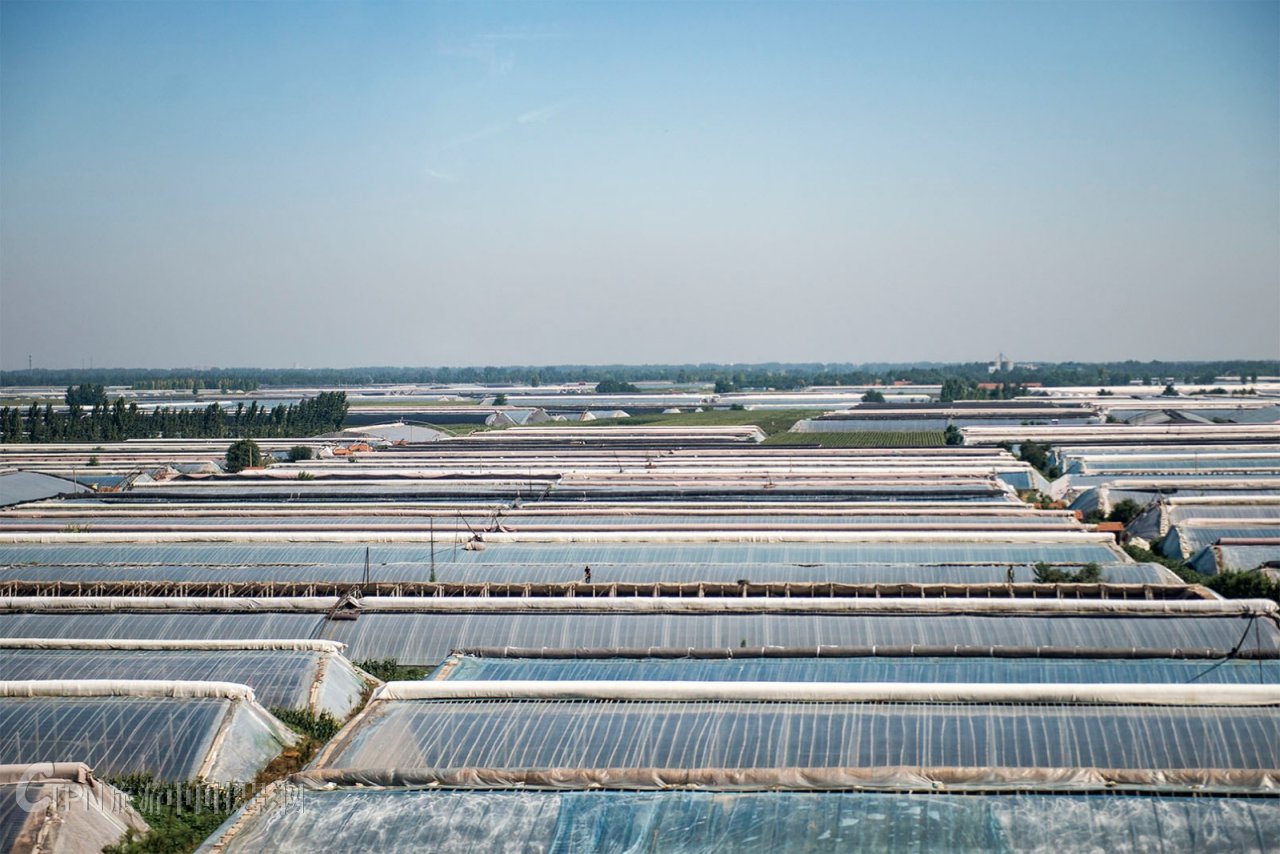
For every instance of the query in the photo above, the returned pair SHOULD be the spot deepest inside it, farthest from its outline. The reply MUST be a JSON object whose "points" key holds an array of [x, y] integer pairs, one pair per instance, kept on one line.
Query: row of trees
{"points": [[103, 422], [728, 377]]}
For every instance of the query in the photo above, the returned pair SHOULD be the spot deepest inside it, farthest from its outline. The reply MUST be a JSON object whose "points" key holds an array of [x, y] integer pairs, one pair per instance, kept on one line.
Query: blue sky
{"points": [[414, 183]]}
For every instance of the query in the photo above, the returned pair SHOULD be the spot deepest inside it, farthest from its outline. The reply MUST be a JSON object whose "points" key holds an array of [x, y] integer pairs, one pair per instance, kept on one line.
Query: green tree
{"points": [[1125, 511], [86, 394], [298, 453], [873, 396], [1038, 455], [242, 455], [953, 389], [612, 386], [500, 399]]}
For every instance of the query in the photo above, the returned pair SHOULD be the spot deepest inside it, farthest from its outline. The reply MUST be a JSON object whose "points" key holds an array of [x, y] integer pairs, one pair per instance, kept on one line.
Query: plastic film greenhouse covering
{"points": [[865, 669], [408, 820], [602, 573], [428, 638], [1082, 549], [702, 726], [298, 675], [60, 808], [374, 520], [172, 730], [569, 603]]}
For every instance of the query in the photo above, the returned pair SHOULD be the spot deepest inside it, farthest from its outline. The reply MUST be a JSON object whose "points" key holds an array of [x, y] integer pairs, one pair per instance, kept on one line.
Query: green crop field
{"points": [[863, 439]]}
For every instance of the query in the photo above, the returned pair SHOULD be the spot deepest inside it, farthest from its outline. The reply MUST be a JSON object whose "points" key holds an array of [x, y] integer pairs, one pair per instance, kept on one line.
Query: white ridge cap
{"points": [[174, 689], [301, 645]]}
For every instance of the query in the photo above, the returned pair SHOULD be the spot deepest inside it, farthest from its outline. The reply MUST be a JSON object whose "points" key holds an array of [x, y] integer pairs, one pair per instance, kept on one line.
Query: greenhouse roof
{"points": [[1235, 557], [661, 730], [172, 730], [425, 637], [401, 820], [601, 573], [817, 668], [309, 675], [892, 548], [21, 486], [61, 808]]}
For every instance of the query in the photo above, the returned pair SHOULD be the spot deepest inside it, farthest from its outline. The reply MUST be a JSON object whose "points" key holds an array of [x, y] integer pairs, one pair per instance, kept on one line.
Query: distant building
{"points": [[1001, 364]]}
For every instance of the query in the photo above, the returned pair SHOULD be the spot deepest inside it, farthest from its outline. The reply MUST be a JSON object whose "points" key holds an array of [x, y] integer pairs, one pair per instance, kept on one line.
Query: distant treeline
{"points": [[777, 375], [104, 421]]}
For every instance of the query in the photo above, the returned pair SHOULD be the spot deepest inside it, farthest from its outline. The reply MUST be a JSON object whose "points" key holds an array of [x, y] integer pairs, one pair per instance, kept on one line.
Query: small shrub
{"points": [[390, 670], [299, 453], [1245, 585], [1090, 573], [319, 728], [181, 815]]}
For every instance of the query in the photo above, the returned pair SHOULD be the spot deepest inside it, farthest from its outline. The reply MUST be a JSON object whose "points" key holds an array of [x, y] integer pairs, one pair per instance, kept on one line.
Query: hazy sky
{"points": [[418, 184]]}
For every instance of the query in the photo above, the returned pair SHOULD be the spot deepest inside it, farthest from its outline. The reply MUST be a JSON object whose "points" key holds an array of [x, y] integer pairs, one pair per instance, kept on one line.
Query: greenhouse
{"points": [[822, 666], [61, 808], [1186, 540], [1160, 516], [20, 487], [854, 548], [311, 815], [1238, 556], [214, 731], [295, 674], [601, 573], [672, 520], [426, 630], [807, 735]]}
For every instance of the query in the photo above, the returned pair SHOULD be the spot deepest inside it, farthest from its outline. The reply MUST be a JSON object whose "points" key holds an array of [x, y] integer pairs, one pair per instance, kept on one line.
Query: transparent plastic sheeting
{"points": [[726, 734], [1215, 559], [1193, 538], [447, 551], [509, 490], [522, 522], [1116, 573], [19, 486], [428, 638], [866, 669], [179, 737], [12, 817], [393, 821], [278, 677], [61, 809]]}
